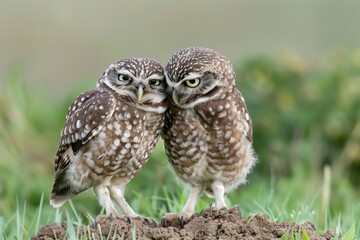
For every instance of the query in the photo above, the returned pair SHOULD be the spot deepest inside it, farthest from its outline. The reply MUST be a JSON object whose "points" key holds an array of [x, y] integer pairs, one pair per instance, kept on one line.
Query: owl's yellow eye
{"points": [[155, 82], [192, 82], [124, 78]]}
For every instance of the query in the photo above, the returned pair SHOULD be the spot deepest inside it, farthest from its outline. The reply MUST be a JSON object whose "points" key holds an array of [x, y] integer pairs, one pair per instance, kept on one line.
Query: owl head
{"points": [[139, 82], [197, 75]]}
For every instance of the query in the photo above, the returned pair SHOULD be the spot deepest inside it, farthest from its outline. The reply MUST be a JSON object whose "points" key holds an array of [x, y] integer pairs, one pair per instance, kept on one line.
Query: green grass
{"points": [[298, 207], [306, 135]]}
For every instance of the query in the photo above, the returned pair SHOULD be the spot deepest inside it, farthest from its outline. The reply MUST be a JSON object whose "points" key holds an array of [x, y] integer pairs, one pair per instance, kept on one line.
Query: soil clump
{"points": [[205, 225]]}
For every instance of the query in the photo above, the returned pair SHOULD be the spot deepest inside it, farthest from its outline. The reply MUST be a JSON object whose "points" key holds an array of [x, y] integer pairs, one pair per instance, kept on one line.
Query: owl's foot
{"points": [[213, 211], [147, 221], [101, 219], [210, 211], [235, 210], [111, 217], [177, 220]]}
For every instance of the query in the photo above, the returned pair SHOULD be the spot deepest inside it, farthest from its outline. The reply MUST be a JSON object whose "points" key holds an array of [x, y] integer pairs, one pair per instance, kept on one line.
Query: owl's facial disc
{"points": [[193, 89], [137, 89]]}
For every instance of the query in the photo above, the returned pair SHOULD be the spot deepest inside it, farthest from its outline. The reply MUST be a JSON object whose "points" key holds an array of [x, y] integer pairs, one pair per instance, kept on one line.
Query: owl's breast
{"points": [[153, 124], [206, 143], [185, 141], [145, 129], [227, 139], [124, 144]]}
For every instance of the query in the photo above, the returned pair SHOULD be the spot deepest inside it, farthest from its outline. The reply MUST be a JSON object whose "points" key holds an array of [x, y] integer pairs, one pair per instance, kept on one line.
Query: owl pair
{"points": [[110, 131]]}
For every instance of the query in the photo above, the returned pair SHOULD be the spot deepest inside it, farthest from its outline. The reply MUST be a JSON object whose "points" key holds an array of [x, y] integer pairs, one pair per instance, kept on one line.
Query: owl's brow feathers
{"points": [[187, 61], [141, 67]]}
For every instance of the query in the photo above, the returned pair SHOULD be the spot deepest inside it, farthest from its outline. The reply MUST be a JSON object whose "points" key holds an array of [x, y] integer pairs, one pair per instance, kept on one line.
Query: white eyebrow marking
{"points": [[126, 72], [141, 72], [192, 75], [155, 76]]}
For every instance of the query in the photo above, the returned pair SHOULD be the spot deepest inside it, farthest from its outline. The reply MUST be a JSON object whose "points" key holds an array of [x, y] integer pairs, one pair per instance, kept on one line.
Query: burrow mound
{"points": [[205, 225]]}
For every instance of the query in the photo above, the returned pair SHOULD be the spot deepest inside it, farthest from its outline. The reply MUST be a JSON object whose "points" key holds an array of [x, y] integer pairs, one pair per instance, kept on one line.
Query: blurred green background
{"points": [[298, 66]]}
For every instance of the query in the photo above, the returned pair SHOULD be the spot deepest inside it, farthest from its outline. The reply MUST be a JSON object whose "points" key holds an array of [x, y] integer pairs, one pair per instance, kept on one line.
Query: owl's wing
{"points": [[241, 107], [86, 116]]}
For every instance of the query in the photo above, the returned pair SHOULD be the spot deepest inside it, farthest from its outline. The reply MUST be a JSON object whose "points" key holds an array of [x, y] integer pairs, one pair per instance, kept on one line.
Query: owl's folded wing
{"points": [[87, 115], [241, 107]]}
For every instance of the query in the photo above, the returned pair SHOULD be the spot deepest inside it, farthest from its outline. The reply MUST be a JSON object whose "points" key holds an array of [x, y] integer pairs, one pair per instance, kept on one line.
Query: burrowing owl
{"points": [[110, 132], [208, 130]]}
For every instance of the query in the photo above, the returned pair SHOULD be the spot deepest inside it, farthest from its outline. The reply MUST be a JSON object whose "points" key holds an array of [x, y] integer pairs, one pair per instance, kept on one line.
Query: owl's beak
{"points": [[175, 98], [139, 92]]}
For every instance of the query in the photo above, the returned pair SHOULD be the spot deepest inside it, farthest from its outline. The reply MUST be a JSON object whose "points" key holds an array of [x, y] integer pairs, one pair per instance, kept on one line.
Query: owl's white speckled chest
{"points": [[122, 147], [209, 143]]}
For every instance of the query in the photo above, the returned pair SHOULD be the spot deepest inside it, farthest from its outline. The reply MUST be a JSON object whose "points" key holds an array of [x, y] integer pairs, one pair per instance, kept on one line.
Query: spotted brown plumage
{"points": [[208, 130], [110, 132]]}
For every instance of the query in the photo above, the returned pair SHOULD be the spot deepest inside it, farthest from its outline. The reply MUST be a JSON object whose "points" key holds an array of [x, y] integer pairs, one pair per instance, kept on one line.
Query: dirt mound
{"points": [[205, 225]]}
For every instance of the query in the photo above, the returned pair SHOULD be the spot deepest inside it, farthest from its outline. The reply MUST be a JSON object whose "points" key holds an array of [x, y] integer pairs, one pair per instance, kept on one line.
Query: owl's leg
{"points": [[104, 199], [117, 194], [174, 219], [122, 189], [219, 193], [189, 207]]}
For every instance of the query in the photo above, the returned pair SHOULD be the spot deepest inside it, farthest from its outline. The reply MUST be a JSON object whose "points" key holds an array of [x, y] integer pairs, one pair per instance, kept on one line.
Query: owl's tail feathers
{"points": [[57, 201], [61, 192]]}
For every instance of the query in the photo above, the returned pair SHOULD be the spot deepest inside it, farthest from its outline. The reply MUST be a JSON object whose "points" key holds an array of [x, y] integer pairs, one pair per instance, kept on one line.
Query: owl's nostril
{"points": [[137, 86]]}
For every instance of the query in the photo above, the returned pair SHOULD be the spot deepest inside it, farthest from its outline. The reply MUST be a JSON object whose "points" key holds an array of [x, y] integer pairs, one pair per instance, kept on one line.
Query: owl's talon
{"points": [[174, 220], [213, 209], [101, 218], [203, 211], [129, 219], [164, 222], [94, 224], [148, 221], [207, 211], [182, 221], [167, 219], [113, 217], [222, 211], [235, 210]]}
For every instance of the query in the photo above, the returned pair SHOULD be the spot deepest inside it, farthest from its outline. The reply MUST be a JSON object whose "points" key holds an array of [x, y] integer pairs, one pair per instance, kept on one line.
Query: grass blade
{"points": [[70, 228], [285, 236], [305, 236], [350, 234], [37, 226], [2, 227]]}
